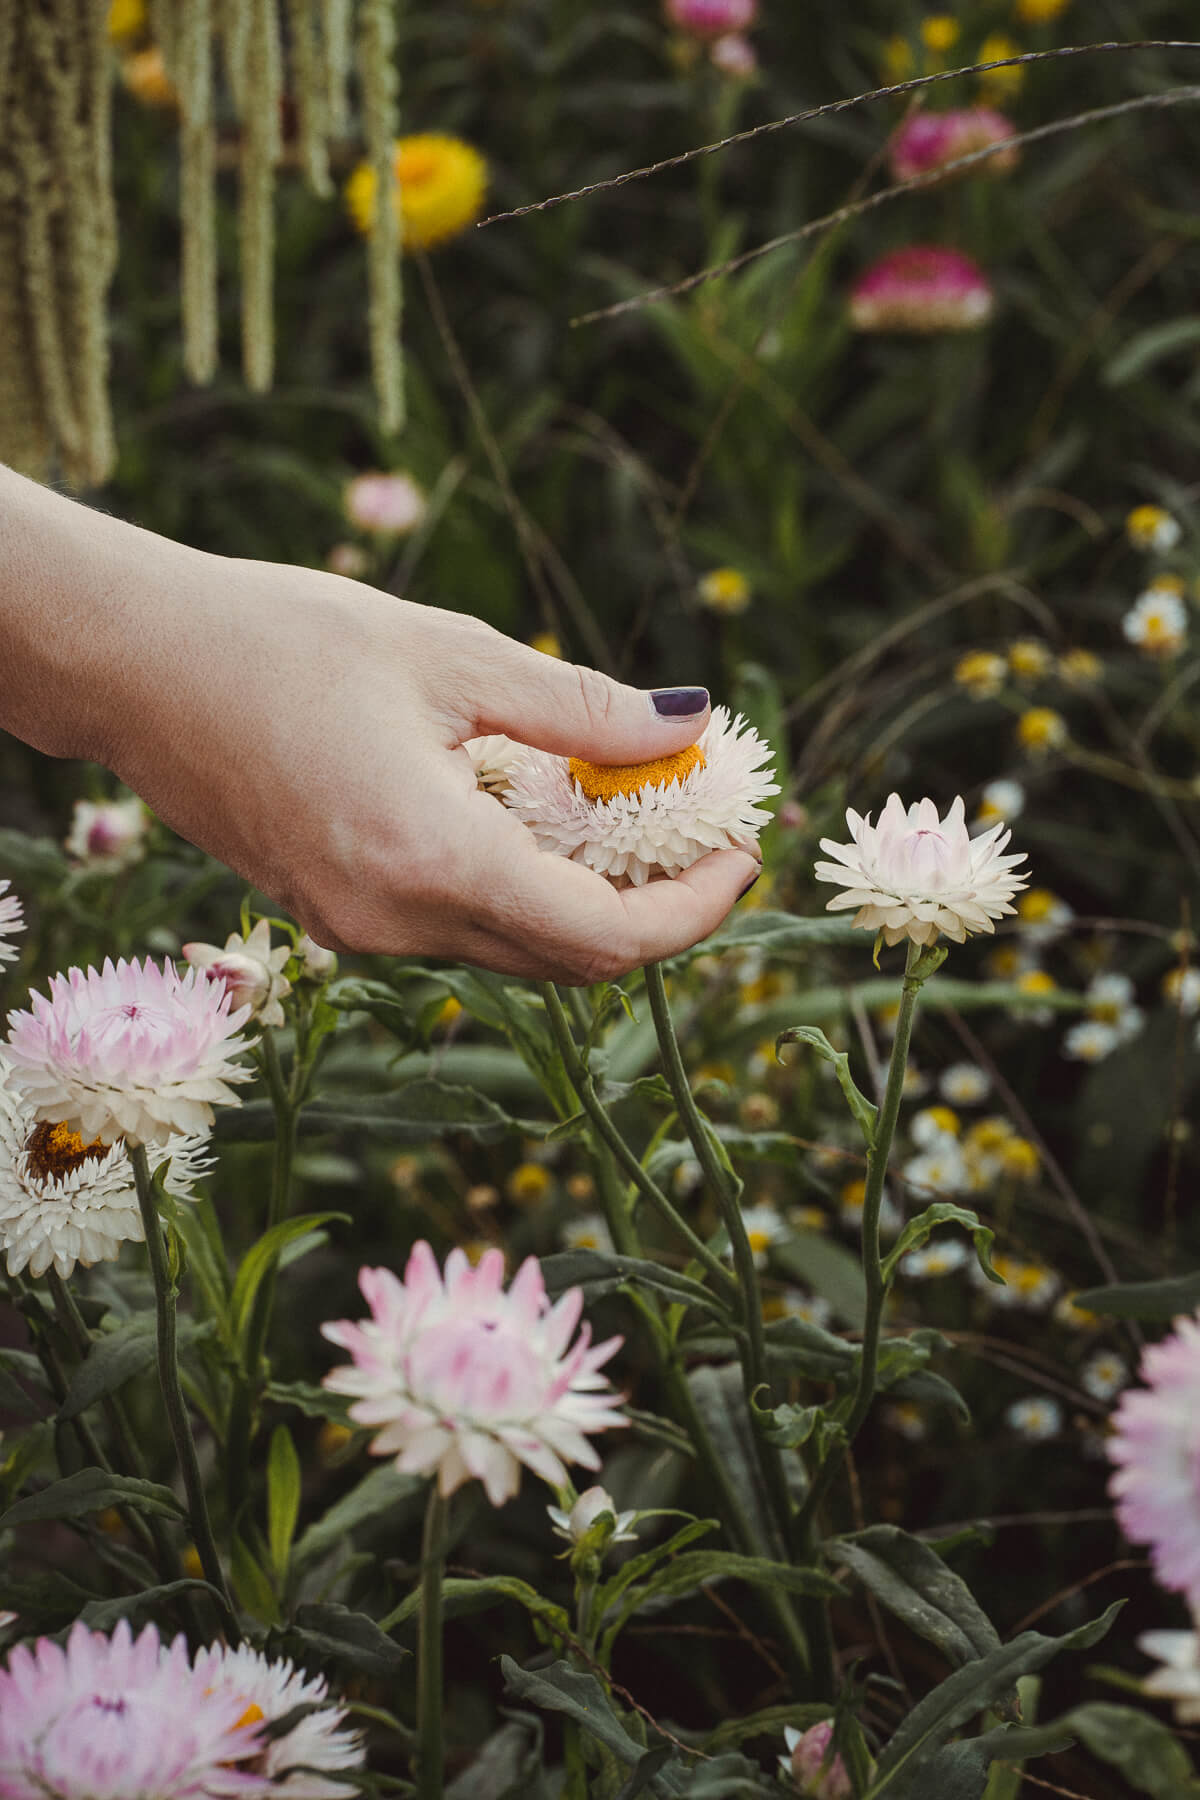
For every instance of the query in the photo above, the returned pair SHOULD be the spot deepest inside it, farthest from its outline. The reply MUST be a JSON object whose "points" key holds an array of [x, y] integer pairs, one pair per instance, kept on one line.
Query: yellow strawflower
{"points": [[897, 59], [440, 185]]}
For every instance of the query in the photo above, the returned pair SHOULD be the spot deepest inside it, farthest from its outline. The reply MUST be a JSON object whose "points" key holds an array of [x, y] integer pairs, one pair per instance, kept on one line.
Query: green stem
{"points": [[728, 1189], [877, 1162], [608, 1134], [165, 1293], [430, 1749]]}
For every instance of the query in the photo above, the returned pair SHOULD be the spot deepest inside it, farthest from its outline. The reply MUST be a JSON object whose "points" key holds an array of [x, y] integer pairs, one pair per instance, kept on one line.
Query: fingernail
{"points": [[678, 703], [751, 882]]}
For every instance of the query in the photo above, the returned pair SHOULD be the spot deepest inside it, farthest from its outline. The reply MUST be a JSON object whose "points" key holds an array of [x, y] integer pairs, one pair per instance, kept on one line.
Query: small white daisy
{"points": [[1036, 1418], [1178, 1678], [1042, 917], [813, 1309], [764, 1227], [932, 1126], [575, 1525], [1181, 987], [588, 1232], [1157, 623], [963, 1084], [906, 1417], [999, 800], [1104, 1375], [1091, 1041], [937, 1172], [10, 920], [630, 822], [1151, 527], [935, 1259]]}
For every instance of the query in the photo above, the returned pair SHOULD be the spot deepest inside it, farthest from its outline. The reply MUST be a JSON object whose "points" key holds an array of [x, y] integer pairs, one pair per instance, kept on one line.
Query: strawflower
{"points": [[1040, 12], [591, 1505], [1036, 1418], [940, 32], [964, 1084], [816, 1770], [1178, 1679], [1157, 623], [127, 20], [120, 1719], [389, 504], [134, 1051], [466, 1380], [710, 18], [314, 1747], [999, 800], [632, 822], [493, 759], [1041, 730], [64, 1202], [109, 834], [440, 182], [1152, 528], [11, 920], [914, 875], [923, 288], [1153, 1445], [928, 140], [734, 55], [981, 673], [248, 969]]}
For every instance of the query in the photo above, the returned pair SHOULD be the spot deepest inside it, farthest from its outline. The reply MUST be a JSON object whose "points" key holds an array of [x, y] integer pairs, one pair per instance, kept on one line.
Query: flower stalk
{"points": [[165, 1293], [430, 1754]]}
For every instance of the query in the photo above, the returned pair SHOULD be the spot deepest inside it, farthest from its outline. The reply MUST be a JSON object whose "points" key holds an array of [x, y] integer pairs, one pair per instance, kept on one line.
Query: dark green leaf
{"points": [[465, 1595], [117, 1356], [599, 1272], [102, 1615], [508, 1765], [913, 1582], [353, 1639], [260, 1258], [829, 1269], [384, 1490], [774, 932], [90, 1491], [917, 1231], [1142, 1747], [862, 1110], [283, 1496], [1144, 1299], [1147, 347], [252, 1583], [314, 1402]]}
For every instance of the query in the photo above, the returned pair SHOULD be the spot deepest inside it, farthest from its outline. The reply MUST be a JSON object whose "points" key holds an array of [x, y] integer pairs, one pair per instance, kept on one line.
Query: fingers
{"points": [[501, 685]]}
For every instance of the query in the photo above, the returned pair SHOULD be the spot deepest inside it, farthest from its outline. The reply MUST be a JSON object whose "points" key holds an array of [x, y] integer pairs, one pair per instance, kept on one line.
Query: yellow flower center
{"points": [[604, 781], [759, 1241], [414, 166], [253, 1715], [54, 1151]]}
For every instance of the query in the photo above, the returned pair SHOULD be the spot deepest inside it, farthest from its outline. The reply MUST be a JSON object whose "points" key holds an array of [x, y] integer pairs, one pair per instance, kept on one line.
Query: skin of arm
{"points": [[306, 730]]}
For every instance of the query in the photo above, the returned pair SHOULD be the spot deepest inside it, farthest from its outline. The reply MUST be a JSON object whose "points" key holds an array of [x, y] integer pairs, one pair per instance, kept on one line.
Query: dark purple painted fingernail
{"points": [[751, 882], [678, 703]]}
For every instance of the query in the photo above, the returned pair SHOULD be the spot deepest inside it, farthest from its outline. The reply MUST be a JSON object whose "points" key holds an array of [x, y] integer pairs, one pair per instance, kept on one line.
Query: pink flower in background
{"points": [[734, 55], [467, 1380], [314, 1747], [384, 503], [11, 920], [1155, 1443], [132, 1052], [711, 18], [119, 1719], [251, 972], [109, 833], [928, 140], [914, 875], [921, 288]]}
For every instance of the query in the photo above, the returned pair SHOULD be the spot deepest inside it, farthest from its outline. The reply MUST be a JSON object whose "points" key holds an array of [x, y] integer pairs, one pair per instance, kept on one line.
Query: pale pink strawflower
{"points": [[816, 1769], [469, 1381], [734, 55], [250, 971], [1156, 1448], [136, 1052], [914, 875], [389, 504], [711, 18], [299, 1762], [350, 560], [1178, 1679], [11, 919], [928, 141], [107, 834], [919, 289], [118, 1719], [64, 1202], [630, 822]]}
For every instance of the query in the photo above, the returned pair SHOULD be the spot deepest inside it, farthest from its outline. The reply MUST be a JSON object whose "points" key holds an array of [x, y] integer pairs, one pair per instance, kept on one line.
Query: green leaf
{"points": [[718, 1398], [704, 1568], [117, 1356], [774, 932], [565, 1690], [102, 1615], [353, 1639], [913, 1582], [829, 1269], [917, 1232], [355, 994], [383, 1490], [1144, 1299], [864, 1113], [462, 1595], [771, 1722], [1143, 1748], [1148, 347], [20, 1371], [977, 1685], [313, 1401], [961, 1771], [789, 1427], [412, 1114], [90, 1491], [261, 1257], [283, 1497], [252, 1583], [643, 1564], [599, 1272], [507, 1766]]}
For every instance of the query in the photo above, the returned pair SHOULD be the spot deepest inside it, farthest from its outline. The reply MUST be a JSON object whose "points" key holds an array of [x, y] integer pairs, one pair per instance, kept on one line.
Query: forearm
{"points": [[74, 626]]}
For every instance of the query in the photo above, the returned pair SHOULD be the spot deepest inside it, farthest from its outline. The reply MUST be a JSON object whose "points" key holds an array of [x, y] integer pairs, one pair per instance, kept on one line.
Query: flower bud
{"points": [[816, 1768], [318, 964], [251, 971], [109, 834]]}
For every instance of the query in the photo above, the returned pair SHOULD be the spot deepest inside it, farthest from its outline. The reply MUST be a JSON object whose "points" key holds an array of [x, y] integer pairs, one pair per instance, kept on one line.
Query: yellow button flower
{"points": [[940, 32], [724, 591], [440, 185], [999, 84], [981, 673], [1041, 730], [1040, 12]]}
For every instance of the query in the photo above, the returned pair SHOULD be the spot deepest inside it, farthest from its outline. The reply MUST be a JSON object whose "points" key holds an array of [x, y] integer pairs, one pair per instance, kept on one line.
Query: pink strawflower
{"points": [[1155, 1443], [734, 55], [928, 141], [135, 1052], [292, 1762], [711, 18], [109, 834], [914, 875], [384, 503], [252, 973], [119, 1719], [11, 920], [921, 288], [816, 1769], [468, 1380]]}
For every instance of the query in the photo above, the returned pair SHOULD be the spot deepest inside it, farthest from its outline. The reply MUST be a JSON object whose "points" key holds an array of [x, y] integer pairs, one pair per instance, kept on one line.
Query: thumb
{"points": [[575, 711]]}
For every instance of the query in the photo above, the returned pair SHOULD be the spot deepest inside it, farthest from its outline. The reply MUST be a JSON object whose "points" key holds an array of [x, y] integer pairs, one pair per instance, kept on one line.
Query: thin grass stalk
{"points": [[430, 1759]]}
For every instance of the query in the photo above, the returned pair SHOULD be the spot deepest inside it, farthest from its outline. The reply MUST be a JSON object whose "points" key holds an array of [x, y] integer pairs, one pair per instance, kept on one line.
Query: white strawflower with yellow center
{"points": [[316, 1756], [1036, 1418], [964, 1084], [493, 759], [763, 1227], [1090, 1041], [999, 801], [10, 920], [1157, 623], [1152, 527], [64, 1201], [914, 875], [632, 821]]}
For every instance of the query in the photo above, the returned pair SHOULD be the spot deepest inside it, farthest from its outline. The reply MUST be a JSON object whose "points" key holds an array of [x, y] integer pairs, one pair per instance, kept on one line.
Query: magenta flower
{"points": [[1155, 1443], [711, 18], [927, 141], [120, 1719], [134, 1052], [389, 504], [922, 288], [468, 1380]]}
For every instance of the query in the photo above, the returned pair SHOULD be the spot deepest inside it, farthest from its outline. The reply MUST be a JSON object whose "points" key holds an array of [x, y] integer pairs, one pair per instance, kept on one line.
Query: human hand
{"points": [[307, 731]]}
